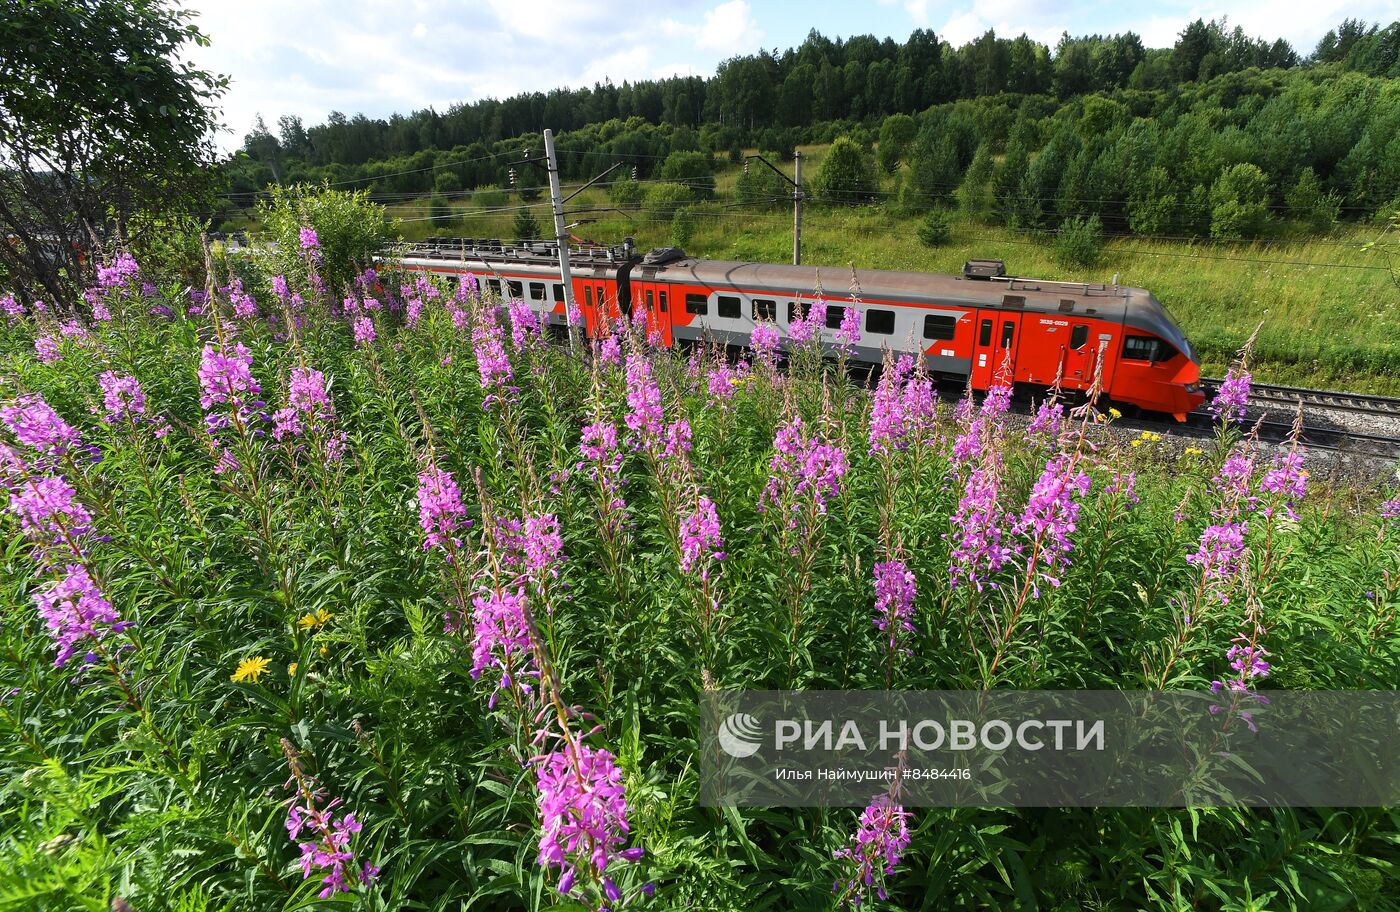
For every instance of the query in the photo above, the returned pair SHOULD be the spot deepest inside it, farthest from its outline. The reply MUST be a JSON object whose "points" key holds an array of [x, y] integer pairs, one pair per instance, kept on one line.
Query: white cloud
{"points": [[420, 30], [728, 26]]}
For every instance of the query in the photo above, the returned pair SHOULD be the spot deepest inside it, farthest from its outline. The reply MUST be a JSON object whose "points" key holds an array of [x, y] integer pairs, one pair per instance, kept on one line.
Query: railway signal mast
{"points": [[561, 237], [797, 196]]}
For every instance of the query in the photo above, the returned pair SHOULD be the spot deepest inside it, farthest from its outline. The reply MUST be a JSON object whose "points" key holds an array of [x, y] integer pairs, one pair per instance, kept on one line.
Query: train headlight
{"points": [[1193, 387]]}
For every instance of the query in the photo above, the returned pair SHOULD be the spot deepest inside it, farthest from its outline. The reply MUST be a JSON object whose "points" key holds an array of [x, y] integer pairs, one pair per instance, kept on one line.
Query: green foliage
{"points": [[936, 229], [682, 228], [102, 121], [178, 802], [1239, 203], [525, 226], [896, 133], [626, 194], [351, 229], [845, 177], [440, 210], [1079, 242], [694, 170], [491, 198], [934, 172], [757, 185], [975, 192], [662, 200], [1152, 202], [447, 182], [1007, 183], [1306, 201]]}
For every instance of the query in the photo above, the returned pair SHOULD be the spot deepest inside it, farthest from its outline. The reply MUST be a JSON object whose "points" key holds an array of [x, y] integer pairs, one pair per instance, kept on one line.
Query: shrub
{"points": [[491, 198], [1079, 242], [626, 194], [682, 227], [447, 182], [896, 133], [757, 185], [525, 227], [694, 170], [662, 200], [845, 177], [936, 229], [1306, 201], [1239, 203], [351, 230]]}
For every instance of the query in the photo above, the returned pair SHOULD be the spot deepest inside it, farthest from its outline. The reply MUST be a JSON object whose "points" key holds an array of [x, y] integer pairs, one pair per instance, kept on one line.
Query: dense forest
{"points": [[1215, 136]]}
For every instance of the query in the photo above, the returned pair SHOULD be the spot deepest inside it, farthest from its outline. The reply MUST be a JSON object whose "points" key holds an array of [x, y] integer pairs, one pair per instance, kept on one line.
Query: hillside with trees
{"points": [[1213, 137]]}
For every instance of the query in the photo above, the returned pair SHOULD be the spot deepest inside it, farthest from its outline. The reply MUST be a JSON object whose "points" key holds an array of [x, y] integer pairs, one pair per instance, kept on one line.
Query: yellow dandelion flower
{"points": [[315, 619], [1195, 451], [292, 670], [1114, 413], [250, 669], [1136, 443], [324, 650]]}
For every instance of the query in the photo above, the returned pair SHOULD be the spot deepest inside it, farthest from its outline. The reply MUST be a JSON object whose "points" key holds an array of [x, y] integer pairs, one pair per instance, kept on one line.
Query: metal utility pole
{"points": [[797, 208], [561, 236], [797, 197]]}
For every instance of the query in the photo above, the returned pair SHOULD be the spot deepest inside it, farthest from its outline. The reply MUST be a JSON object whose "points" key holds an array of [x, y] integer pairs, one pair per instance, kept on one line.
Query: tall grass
{"points": [[145, 772]]}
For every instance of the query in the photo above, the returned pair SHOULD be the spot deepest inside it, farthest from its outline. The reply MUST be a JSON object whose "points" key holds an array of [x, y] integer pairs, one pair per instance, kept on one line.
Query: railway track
{"points": [[1268, 394], [1315, 435]]}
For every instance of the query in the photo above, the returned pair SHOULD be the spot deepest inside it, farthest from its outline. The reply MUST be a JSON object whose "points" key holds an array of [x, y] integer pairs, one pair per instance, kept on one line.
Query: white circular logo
{"points": [[741, 736]]}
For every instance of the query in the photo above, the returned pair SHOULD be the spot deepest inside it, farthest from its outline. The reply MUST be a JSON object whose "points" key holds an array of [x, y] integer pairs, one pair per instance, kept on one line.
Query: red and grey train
{"points": [[981, 326]]}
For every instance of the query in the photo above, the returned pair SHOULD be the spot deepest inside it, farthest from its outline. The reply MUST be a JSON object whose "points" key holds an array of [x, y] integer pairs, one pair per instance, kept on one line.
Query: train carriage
{"points": [[981, 327]]}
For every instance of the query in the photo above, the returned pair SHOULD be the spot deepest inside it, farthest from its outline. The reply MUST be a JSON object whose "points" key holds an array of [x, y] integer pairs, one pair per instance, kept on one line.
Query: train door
{"points": [[994, 348], [1078, 368]]}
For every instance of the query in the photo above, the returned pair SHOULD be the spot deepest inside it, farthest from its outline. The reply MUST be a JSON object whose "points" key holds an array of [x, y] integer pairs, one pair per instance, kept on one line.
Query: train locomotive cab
{"points": [[1155, 366]]}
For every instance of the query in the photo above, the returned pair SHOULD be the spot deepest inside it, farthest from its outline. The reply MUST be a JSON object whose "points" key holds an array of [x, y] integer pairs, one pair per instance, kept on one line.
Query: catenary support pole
{"points": [[797, 208], [561, 236]]}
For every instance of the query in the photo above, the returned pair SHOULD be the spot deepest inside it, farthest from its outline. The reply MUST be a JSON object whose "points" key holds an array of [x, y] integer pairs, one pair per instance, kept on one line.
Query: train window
{"points": [[1146, 348], [1008, 332], [984, 336], [792, 310], [515, 290], [588, 295], [558, 293], [536, 291], [940, 327], [879, 322], [1078, 336], [696, 304], [764, 309], [495, 286], [834, 316], [651, 299], [663, 300], [729, 308]]}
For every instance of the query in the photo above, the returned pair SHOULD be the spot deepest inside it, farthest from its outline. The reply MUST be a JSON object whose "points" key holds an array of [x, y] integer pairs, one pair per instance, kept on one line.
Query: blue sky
{"points": [[376, 57]]}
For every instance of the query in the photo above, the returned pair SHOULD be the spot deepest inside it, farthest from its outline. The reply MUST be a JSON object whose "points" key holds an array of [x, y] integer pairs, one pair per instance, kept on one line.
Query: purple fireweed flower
{"points": [[849, 332], [722, 380], [809, 325], [279, 288], [525, 328], [244, 307], [1050, 517], [1232, 396], [492, 363], [1287, 480], [610, 350], [76, 613], [309, 240], [644, 416], [678, 438], [364, 331], [1220, 556], [49, 510], [1047, 421], [880, 840], [889, 425], [542, 545], [1390, 509], [1247, 659], [764, 340], [46, 349], [701, 541], [37, 426], [1125, 484], [117, 272], [226, 378], [501, 637], [979, 545], [74, 329], [12, 309], [121, 397], [440, 508], [327, 851], [894, 600], [802, 466], [583, 816]]}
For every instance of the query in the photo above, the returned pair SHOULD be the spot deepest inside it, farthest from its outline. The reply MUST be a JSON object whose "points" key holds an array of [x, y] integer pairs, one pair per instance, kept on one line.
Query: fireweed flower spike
{"points": [[701, 541], [583, 819], [894, 602], [122, 397], [76, 614], [440, 509], [323, 839], [764, 341], [1049, 518], [879, 842], [37, 426], [644, 417]]}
